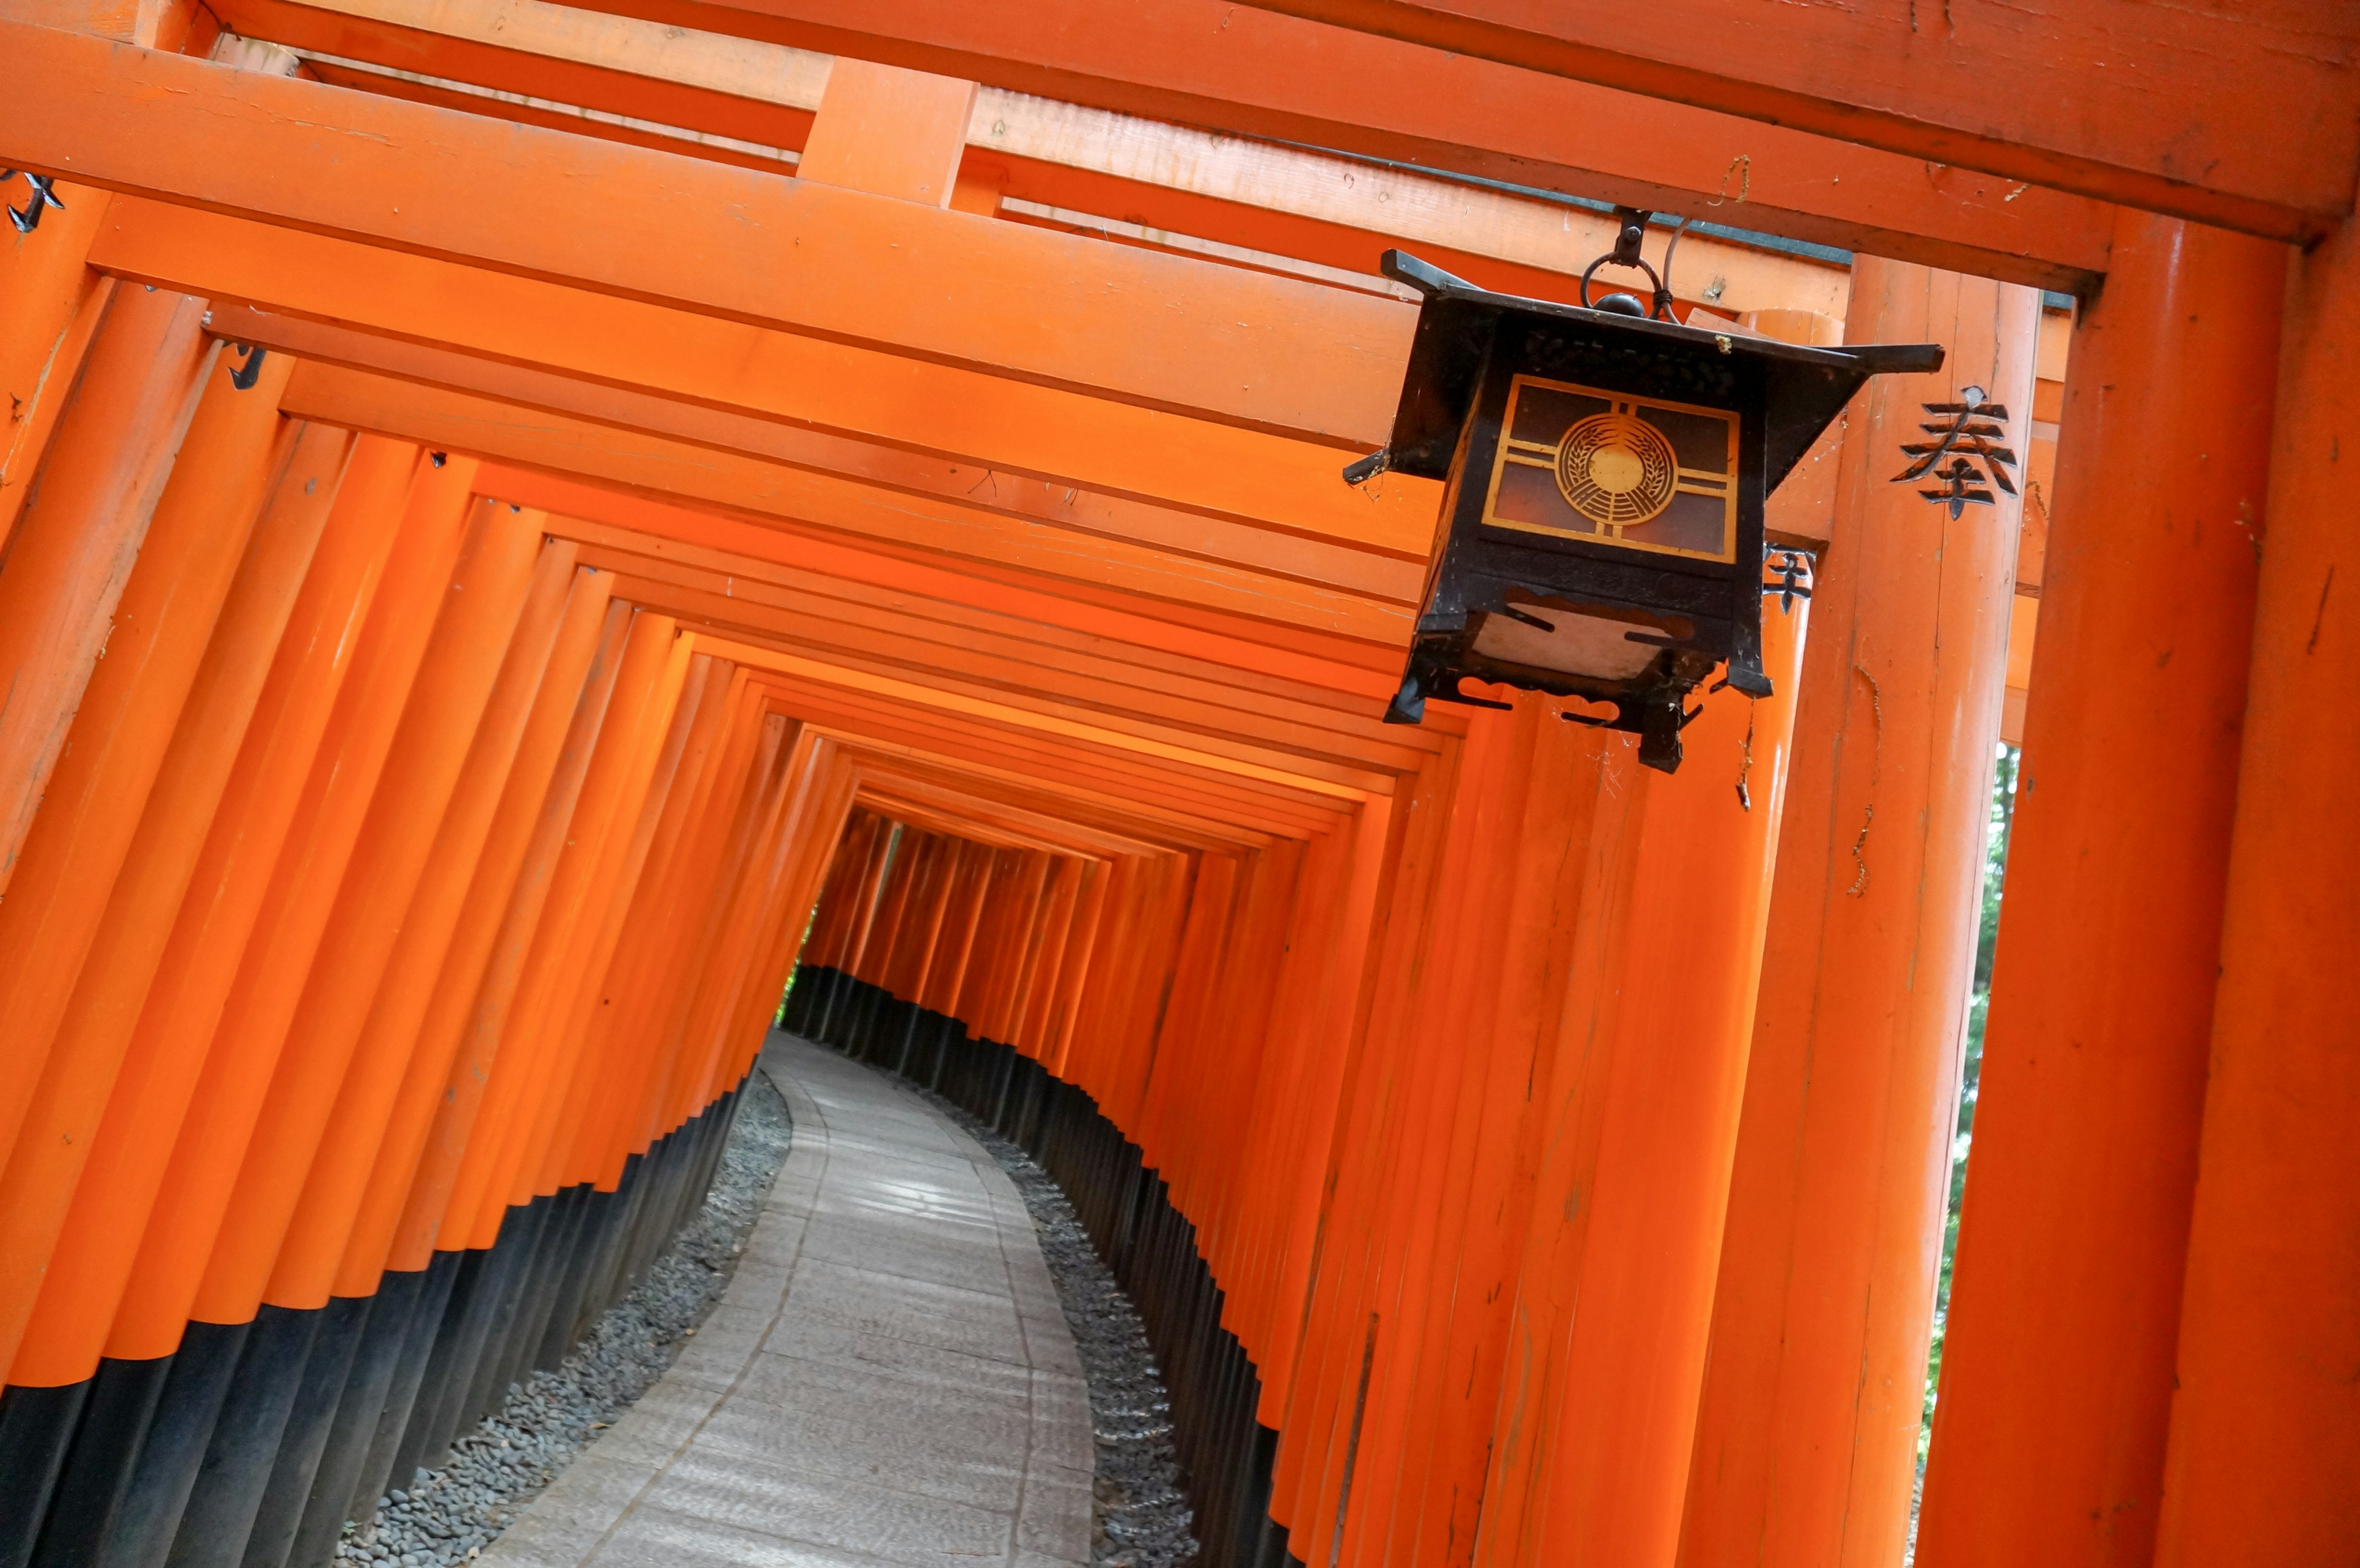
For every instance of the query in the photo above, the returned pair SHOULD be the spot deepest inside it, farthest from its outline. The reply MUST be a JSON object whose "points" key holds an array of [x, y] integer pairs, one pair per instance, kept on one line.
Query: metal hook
{"points": [[30, 218], [1630, 230], [243, 377]]}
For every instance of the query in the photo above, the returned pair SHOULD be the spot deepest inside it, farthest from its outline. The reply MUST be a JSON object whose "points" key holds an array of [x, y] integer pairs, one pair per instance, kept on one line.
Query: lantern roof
{"points": [[1806, 387]]}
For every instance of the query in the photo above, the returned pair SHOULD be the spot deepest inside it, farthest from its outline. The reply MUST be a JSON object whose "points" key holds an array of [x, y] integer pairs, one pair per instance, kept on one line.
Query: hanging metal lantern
{"points": [[1605, 471]]}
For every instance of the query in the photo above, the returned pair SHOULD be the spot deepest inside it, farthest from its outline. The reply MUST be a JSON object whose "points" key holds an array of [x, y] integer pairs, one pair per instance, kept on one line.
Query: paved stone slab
{"points": [[886, 1384]]}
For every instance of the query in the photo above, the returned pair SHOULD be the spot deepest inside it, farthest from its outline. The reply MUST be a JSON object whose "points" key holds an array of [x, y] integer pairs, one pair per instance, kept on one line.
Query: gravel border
{"points": [[1139, 1516], [448, 1516]]}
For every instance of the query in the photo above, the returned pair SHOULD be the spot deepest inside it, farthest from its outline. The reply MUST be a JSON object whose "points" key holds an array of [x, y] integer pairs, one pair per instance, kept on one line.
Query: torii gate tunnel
{"points": [[529, 528]]}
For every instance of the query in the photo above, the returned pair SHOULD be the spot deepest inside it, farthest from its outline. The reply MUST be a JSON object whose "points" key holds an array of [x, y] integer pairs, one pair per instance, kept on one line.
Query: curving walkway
{"points": [[889, 1379]]}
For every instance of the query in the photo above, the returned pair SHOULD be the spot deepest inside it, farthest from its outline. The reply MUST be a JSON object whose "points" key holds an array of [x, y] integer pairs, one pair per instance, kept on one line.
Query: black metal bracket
{"points": [[244, 375], [28, 218], [1630, 232]]}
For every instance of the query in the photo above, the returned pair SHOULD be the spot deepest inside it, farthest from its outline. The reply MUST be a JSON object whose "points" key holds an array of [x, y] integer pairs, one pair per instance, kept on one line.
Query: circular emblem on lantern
{"points": [[1616, 470]]}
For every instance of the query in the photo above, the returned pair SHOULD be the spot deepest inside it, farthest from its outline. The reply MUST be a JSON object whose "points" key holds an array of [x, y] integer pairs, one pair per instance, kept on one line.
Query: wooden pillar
{"points": [[320, 1092], [478, 982], [2264, 1464], [108, 1297], [1806, 1434], [50, 305], [73, 549], [520, 1081], [274, 1103], [2057, 1361], [682, 689], [384, 1090], [121, 735], [250, 1024], [83, 1276], [1675, 1016]]}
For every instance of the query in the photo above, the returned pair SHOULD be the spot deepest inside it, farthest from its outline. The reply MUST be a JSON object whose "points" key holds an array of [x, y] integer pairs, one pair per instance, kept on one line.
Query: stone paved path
{"points": [[889, 1379]]}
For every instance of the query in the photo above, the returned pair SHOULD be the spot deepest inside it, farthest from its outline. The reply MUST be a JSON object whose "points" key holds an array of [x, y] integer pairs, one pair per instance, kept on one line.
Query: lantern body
{"points": [[1601, 530]]}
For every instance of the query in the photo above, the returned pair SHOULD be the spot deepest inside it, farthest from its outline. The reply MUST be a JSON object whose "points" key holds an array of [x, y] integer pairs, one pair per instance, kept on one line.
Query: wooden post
{"points": [[72, 548], [2056, 1360], [83, 1276], [478, 981], [321, 1094], [1676, 1017], [2266, 1425], [382, 1095], [121, 738], [50, 305], [1806, 1434], [892, 132]]}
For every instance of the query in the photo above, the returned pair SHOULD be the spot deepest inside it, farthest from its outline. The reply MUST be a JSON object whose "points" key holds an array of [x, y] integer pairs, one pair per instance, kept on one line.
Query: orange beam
{"points": [[934, 527], [2097, 96], [789, 391], [1355, 547], [1249, 71], [1339, 781], [1069, 687], [650, 530], [1161, 332]]}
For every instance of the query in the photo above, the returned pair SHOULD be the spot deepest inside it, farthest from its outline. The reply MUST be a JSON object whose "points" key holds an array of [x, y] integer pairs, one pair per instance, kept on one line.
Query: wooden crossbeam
{"points": [[833, 612], [1025, 757], [2180, 109], [639, 351], [1143, 632], [1118, 729], [1005, 676], [1297, 613], [1159, 331], [910, 770], [1338, 785], [1279, 199], [1367, 572], [1244, 70]]}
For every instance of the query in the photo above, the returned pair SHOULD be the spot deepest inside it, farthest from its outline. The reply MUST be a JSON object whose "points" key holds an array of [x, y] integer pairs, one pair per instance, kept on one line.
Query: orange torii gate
{"points": [[654, 596]]}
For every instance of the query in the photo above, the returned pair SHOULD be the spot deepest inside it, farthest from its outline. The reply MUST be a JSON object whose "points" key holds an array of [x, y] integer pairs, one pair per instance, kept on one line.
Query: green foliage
{"points": [[2002, 815]]}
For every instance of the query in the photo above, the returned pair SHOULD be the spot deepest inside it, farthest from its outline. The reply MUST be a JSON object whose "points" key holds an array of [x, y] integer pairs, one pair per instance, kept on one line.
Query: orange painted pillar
{"points": [[429, 988], [474, 617], [126, 714], [175, 1257], [2264, 1462], [384, 1058], [575, 1085], [700, 1015], [191, 967], [49, 307], [619, 1027], [477, 984], [2057, 1362], [78, 1287], [1596, 1427], [681, 939], [520, 1083], [73, 549], [96, 794], [1806, 1434]]}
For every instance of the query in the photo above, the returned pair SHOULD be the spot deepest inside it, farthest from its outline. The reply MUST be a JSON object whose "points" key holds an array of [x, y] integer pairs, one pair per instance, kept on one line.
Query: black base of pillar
{"points": [[254, 1444]]}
